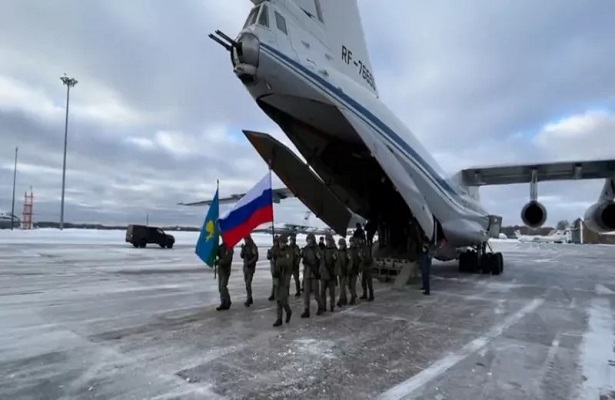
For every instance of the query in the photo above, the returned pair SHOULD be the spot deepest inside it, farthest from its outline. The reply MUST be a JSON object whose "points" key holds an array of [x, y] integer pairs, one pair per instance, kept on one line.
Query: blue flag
{"points": [[207, 245]]}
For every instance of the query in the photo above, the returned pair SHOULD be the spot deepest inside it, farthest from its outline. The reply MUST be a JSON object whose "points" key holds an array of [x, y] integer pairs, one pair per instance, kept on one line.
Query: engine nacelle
{"points": [[534, 214], [601, 217]]}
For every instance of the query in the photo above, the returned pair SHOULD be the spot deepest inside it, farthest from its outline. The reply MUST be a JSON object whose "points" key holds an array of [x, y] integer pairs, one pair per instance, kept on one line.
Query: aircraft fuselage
{"points": [[351, 139]]}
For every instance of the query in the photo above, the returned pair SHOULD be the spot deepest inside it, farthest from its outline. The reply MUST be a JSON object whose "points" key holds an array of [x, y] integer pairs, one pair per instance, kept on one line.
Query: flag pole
{"points": [[273, 218], [217, 191]]}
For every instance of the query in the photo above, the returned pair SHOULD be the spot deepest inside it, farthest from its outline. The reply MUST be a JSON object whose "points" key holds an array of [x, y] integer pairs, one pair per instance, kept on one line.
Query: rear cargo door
{"points": [[304, 183]]}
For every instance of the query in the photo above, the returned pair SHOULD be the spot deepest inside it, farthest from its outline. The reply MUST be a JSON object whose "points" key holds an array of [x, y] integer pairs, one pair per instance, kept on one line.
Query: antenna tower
{"points": [[28, 204]]}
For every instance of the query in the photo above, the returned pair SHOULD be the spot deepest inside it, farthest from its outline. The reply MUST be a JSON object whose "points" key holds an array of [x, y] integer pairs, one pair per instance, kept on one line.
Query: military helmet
{"points": [[328, 236], [283, 238], [342, 241], [311, 236]]}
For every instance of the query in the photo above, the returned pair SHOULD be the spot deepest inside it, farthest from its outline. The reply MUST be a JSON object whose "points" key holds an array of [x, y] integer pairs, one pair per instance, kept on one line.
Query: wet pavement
{"points": [[113, 322]]}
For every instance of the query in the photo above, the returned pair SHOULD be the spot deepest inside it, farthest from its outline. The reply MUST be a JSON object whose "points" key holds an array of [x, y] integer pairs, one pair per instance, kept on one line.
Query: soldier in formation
{"points": [[272, 253], [224, 260], [297, 263], [312, 257], [328, 277], [249, 255], [354, 265], [323, 270], [366, 261], [283, 264], [342, 271]]}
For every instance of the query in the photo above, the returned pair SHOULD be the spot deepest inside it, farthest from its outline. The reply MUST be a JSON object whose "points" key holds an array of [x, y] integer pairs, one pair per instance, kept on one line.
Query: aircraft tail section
{"points": [[345, 38]]}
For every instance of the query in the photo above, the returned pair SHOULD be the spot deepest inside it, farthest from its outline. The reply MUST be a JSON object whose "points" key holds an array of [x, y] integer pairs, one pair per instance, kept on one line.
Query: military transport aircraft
{"points": [[306, 64]]}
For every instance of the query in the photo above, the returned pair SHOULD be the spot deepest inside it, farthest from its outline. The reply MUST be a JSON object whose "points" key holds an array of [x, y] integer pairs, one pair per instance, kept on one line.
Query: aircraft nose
{"points": [[246, 56]]}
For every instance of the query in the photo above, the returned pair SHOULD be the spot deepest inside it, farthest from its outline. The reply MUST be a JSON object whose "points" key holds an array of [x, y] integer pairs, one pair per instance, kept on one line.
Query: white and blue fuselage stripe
{"points": [[462, 205]]}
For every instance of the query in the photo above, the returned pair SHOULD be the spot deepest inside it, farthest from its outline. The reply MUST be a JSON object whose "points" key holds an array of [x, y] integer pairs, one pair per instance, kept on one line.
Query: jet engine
{"points": [[600, 217], [534, 214]]}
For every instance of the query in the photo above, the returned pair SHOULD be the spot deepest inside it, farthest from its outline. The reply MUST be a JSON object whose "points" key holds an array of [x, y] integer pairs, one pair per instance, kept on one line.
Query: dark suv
{"points": [[141, 235]]}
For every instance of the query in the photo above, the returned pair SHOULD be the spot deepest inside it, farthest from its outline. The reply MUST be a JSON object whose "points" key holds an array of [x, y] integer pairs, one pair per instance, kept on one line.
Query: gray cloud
{"points": [[157, 113]]}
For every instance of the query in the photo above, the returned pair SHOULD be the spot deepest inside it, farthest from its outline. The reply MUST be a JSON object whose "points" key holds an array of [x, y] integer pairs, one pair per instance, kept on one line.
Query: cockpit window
{"points": [[251, 17], [281, 22], [263, 17]]}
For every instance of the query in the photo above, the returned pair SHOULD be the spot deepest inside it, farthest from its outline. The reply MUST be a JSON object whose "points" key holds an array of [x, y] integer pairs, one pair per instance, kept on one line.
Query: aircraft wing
{"points": [[509, 174], [278, 195]]}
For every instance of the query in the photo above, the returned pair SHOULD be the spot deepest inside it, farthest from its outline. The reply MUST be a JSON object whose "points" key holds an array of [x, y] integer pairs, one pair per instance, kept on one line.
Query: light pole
{"points": [[69, 82], [14, 182]]}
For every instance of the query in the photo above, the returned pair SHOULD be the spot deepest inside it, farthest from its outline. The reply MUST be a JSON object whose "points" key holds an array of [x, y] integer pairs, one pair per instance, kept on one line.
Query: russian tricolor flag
{"points": [[253, 209]]}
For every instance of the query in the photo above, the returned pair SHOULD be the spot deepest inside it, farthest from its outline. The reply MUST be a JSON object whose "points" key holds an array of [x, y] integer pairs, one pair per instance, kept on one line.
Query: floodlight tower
{"points": [[69, 82]]}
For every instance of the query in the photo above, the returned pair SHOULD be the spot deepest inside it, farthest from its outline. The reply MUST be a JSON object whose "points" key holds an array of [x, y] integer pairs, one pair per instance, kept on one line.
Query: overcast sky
{"points": [[157, 114]]}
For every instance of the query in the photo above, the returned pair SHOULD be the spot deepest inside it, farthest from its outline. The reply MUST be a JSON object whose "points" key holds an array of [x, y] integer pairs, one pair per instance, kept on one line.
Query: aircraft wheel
{"points": [[463, 261], [474, 266], [135, 245], [494, 264], [485, 263], [500, 261]]}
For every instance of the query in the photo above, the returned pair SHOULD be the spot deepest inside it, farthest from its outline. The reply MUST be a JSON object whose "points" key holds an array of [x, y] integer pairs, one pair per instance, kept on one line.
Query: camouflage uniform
{"points": [[272, 253], [367, 261], [312, 259], [282, 274], [249, 255], [293, 245], [327, 273], [341, 271], [353, 269], [224, 260]]}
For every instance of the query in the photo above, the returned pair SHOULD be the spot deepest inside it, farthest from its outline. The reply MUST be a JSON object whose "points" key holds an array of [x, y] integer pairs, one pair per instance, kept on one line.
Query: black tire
{"points": [[463, 261], [485, 263], [135, 245], [472, 262], [495, 264], [142, 244], [501, 261], [162, 245], [169, 245]]}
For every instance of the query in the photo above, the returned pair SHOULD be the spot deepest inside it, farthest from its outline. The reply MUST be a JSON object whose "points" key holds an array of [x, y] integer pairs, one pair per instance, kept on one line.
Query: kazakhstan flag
{"points": [[207, 245]]}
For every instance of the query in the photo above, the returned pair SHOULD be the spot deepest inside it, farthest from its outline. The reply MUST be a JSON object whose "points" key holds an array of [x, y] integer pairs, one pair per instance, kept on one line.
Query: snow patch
{"points": [[597, 350], [317, 348]]}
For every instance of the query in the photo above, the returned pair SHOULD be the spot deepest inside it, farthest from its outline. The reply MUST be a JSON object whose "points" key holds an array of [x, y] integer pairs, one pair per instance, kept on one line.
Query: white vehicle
{"points": [[557, 236], [306, 64]]}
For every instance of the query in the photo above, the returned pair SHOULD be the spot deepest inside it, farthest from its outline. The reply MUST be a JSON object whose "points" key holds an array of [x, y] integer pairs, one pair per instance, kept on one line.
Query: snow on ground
{"points": [[107, 237], [86, 315]]}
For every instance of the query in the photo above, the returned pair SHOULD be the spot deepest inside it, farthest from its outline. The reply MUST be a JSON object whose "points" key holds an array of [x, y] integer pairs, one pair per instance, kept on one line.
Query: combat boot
{"points": [[353, 301], [248, 302], [364, 297], [288, 315], [371, 296], [271, 298], [306, 314], [277, 322], [320, 311]]}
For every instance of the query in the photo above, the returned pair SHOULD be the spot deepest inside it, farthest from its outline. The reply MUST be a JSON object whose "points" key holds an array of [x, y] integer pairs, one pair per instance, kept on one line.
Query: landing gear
{"points": [[478, 260]]}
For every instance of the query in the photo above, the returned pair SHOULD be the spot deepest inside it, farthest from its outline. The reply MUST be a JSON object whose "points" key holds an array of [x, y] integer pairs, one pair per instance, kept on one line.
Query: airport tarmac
{"points": [[102, 320]]}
